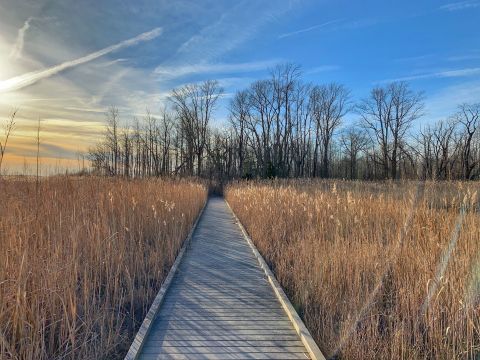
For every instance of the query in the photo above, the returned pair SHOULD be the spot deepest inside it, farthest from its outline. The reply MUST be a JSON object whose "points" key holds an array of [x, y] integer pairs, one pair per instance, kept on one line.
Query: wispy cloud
{"points": [[17, 49], [22, 81], [233, 28], [440, 74], [414, 58], [112, 62], [444, 101], [170, 72], [308, 29], [107, 87], [464, 57], [336, 25], [461, 5], [322, 68], [472, 55]]}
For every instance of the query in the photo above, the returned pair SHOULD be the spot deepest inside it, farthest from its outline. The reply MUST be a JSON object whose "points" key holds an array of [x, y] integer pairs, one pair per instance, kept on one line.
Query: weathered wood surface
{"points": [[220, 304]]}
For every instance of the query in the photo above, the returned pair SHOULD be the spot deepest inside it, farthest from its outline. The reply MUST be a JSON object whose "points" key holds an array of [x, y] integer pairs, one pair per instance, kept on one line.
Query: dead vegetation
{"points": [[82, 259], [377, 270]]}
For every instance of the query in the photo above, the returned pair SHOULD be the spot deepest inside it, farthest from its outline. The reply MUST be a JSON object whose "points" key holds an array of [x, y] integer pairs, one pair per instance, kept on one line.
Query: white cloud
{"points": [[233, 28], [336, 25], [22, 81], [171, 72], [17, 49], [440, 74], [444, 102], [322, 68], [466, 57], [461, 5], [308, 29]]}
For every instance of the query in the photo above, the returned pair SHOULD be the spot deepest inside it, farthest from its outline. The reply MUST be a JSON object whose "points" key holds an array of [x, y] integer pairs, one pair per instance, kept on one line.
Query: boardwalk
{"points": [[220, 304]]}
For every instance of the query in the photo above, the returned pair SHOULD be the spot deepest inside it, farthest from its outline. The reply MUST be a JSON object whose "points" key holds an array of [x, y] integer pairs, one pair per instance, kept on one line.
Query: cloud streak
{"points": [[308, 29], [441, 74], [461, 5], [22, 81], [170, 72], [233, 28], [336, 25], [321, 69], [17, 49]]}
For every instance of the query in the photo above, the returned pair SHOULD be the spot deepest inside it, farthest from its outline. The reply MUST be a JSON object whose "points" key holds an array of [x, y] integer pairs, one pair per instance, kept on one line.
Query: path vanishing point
{"points": [[220, 301]]}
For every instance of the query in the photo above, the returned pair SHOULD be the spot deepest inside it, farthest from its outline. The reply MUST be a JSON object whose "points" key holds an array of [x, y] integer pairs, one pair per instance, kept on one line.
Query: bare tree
{"points": [[354, 140], [388, 113], [436, 148], [167, 129], [329, 104], [301, 134], [127, 150], [444, 149], [468, 117], [112, 137], [239, 113], [425, 150], [407, 106], [38, 156], [8, 128], [375, 112], [282, 127], [194, 104], [261, 124], [284, 79]]}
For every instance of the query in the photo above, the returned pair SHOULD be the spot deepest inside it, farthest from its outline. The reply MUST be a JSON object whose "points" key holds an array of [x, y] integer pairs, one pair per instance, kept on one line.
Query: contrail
{"points": [[22, 81], [18, 47], [314, 27]]}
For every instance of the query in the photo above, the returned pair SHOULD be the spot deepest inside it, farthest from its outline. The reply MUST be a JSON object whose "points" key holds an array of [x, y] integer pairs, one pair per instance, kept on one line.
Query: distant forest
{"points": [[285, 127]]}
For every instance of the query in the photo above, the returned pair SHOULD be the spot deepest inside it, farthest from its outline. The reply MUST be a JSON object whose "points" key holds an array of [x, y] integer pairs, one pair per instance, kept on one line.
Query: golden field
{"points": [[376, 270], [82, 259]]}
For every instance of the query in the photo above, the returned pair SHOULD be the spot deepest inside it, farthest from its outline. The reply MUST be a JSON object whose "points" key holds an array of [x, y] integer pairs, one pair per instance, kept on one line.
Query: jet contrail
{"points": [[21, 81], [18, 47]]}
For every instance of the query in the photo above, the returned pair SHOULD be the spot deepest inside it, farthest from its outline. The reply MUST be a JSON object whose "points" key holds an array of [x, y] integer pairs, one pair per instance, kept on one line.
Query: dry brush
{"points": [[82, 259], [377, 270]]}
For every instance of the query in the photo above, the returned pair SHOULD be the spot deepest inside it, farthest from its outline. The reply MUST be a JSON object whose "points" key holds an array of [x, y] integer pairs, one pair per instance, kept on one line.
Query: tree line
{"points": [[282, 126]]}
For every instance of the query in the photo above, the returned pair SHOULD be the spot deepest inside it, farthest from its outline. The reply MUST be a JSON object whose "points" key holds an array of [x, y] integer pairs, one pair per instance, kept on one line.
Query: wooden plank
{"points": [[187, 336], [244, 356], [225, 343], [147, 349], [218, 309], [219, 317], [226, 327]]}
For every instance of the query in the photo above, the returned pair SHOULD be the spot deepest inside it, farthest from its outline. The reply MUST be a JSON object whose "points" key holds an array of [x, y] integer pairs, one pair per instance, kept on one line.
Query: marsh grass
{"points": [[374, 273], [82, 259]]}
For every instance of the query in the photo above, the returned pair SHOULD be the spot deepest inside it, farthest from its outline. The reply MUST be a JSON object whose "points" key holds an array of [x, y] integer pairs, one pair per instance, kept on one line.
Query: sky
{"points": [[66, 61]]}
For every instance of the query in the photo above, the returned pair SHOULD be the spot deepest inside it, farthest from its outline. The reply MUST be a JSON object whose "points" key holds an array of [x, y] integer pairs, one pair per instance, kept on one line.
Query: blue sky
{"points": [[67, 61]]}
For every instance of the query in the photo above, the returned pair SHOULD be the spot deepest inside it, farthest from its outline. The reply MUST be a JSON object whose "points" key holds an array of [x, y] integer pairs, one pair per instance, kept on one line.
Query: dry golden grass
{"points": [[375, 269], [82, 259]]}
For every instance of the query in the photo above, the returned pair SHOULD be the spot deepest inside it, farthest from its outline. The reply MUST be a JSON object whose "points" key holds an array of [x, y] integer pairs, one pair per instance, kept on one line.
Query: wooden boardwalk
{"points": [[220, 304]]}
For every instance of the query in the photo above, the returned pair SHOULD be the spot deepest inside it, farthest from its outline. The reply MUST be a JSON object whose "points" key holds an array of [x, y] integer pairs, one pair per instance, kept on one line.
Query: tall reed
{"points": [[82, 259], [377, 270]]}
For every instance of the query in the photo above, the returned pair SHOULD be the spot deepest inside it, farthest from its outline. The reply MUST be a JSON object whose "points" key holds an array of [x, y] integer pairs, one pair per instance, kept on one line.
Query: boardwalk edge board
{"points": [[302, 331], [146, 326]]}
